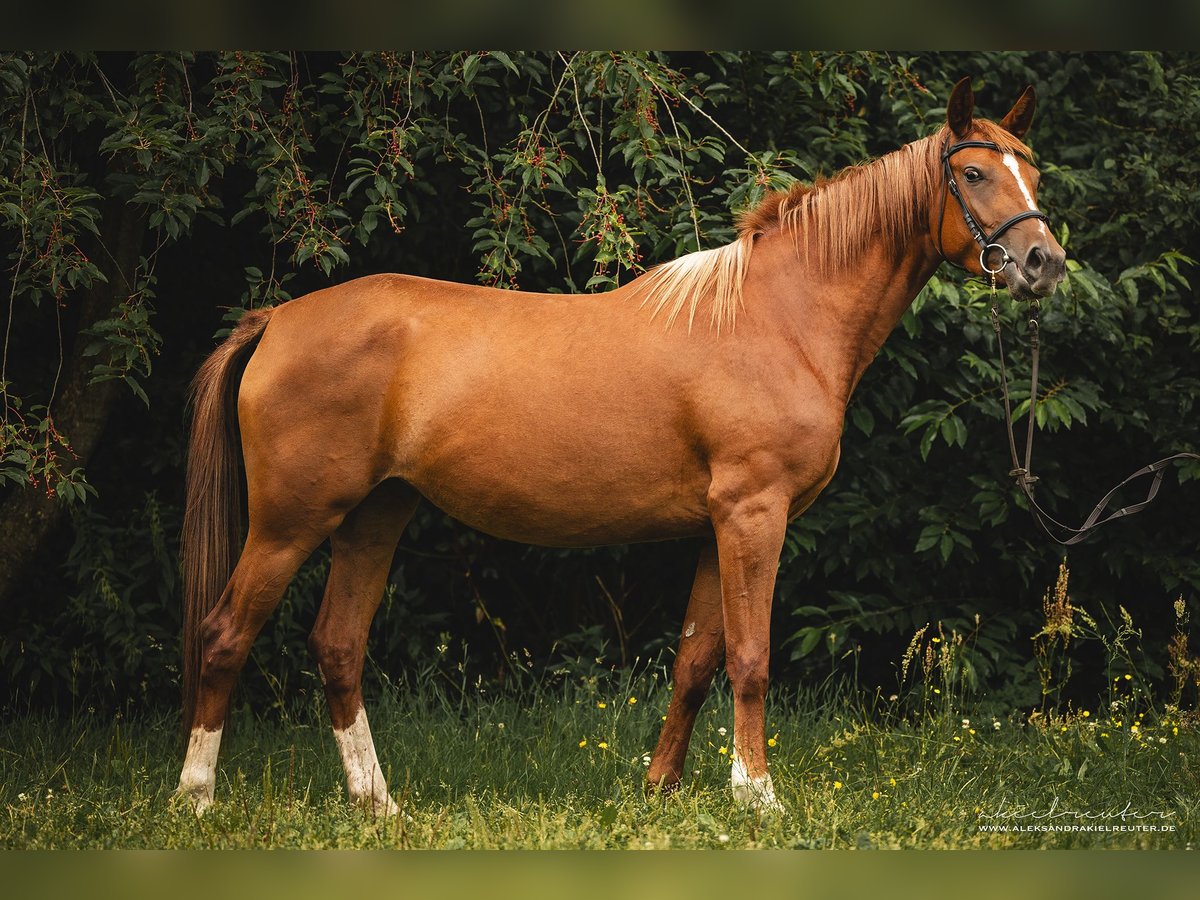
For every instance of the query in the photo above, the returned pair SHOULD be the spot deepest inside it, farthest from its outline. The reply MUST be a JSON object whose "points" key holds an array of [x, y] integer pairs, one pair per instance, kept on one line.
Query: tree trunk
{"points": [[28, 517]]}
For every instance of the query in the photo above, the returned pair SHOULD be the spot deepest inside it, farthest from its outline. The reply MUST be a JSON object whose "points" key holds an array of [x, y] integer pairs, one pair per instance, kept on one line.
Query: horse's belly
{"points": [[563, 500]]}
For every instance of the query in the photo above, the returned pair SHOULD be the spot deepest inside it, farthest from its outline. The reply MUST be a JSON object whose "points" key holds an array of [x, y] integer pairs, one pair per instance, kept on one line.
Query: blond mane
{"points": [[831, 222]]}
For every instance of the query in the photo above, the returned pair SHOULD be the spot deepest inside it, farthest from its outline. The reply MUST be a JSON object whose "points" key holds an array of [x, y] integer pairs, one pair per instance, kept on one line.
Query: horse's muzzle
{"points": [[1043, 268]]}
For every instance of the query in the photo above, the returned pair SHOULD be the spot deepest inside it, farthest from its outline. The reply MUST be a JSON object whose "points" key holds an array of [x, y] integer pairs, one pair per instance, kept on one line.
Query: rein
{"points": [[1023, 474]]}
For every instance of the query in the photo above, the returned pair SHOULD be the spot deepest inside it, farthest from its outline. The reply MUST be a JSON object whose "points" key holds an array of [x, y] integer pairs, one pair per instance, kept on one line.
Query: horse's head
{"points": [[987, 220]]}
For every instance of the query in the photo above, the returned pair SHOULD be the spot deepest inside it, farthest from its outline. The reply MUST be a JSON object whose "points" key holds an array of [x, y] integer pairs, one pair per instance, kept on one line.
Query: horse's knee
{"points": [[748, 673]]}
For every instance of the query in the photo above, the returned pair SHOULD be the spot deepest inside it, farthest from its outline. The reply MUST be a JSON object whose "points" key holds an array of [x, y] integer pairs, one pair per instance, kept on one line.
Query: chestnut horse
{"points": [[705, 398]]}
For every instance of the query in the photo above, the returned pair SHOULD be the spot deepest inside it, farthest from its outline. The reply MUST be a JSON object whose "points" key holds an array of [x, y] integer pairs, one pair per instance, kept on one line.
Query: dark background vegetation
{"points": [[147, 199]]}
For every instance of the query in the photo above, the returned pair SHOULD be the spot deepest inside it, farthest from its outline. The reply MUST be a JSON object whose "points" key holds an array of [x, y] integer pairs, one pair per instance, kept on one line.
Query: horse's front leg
{"points": [[749, 526]]}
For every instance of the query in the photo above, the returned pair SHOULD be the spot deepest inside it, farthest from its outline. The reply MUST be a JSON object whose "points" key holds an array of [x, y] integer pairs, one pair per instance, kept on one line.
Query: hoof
{"points": [[198, 796], [379, 806], [755, 793], [661, 787], [758, 796]]}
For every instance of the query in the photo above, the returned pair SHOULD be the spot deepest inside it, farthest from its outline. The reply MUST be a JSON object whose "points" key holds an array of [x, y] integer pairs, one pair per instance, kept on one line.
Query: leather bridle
{"points": [[1022, 473], [985, 241]]}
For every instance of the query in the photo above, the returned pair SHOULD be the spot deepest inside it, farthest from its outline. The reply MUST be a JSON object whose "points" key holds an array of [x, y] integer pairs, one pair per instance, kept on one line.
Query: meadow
{"points": [[559, 764]]}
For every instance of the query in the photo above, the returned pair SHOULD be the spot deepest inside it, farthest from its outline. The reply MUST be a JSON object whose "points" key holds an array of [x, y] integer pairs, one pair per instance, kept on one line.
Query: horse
{"points": [[705, 398]]}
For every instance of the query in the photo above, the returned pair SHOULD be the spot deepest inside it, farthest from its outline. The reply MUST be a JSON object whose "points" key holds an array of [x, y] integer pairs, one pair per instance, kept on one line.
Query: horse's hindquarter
{"points": [[548, 419]]}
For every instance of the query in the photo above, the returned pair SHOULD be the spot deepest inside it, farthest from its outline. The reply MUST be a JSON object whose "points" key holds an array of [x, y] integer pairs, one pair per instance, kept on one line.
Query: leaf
{"points": [[863, 419], [946, 547], [505, 59], [470, 64], [927, 441], [811, 637], [930, 535]]}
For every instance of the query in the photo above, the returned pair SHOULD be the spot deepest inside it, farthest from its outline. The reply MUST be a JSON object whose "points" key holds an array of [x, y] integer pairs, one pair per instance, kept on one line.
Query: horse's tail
{"points": [[212, 517]]}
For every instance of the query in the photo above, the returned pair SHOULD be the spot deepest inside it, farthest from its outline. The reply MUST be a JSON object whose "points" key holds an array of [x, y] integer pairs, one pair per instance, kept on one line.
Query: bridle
{"points": [[1023, 474], [985, 241]]}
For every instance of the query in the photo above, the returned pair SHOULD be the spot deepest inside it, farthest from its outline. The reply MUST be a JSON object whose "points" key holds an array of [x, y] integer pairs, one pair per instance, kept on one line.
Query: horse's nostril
{"points": [[1033, 262]]}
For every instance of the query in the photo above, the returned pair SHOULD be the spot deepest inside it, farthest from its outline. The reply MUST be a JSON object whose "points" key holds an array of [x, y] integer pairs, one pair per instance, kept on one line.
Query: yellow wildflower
{"points": [[583, 743], [723, 750], [632, 700], [601, 705], [603, 745], [771, 742], [874, 795], [1086, 714], [837, 785]]}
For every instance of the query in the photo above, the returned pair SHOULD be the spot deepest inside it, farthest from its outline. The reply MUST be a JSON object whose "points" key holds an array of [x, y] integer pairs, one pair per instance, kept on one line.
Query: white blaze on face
{"points": [[364, 777], [1010, 163], [754, 793], [199, 776]]}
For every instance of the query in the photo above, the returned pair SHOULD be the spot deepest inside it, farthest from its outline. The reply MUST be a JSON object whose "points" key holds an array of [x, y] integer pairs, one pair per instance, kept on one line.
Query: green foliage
{"points": [[267, 175], [116, 633]]}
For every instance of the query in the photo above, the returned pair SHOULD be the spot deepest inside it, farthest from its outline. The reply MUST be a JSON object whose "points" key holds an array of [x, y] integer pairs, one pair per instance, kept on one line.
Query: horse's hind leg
{"points": [[269, 560], [362, 555], [701, 646]]}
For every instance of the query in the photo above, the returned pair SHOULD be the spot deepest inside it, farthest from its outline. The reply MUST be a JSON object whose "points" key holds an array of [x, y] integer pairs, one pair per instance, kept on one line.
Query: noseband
{"points": [[985, 241]]}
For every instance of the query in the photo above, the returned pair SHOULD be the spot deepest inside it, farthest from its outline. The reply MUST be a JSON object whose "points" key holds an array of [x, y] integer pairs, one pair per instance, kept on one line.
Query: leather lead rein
{"points": [[1023, 473]]}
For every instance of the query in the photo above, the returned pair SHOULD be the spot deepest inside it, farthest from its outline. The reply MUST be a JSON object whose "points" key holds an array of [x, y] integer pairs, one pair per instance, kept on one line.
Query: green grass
{"points": [[497, 772]]}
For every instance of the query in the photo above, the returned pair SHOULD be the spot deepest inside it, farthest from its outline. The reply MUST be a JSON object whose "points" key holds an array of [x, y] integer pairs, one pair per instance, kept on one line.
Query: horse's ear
{"points": [[960, 107], [1020, 116]]}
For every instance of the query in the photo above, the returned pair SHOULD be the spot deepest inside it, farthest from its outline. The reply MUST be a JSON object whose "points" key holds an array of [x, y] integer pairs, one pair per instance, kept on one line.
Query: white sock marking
{"points": [[756, 793], [198, 779], [1010, 163], [364, 777]]}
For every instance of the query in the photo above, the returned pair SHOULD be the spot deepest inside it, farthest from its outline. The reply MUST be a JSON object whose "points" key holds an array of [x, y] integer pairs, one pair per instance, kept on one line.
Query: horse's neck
{"points": [[841, 320]]}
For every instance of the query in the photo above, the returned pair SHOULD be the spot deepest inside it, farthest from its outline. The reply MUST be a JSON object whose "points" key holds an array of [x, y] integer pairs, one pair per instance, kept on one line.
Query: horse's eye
{"points": [[972, 174]]}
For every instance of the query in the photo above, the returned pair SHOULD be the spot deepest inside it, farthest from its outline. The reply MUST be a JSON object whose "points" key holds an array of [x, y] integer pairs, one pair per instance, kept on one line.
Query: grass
{"points": [[476, 770]]}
